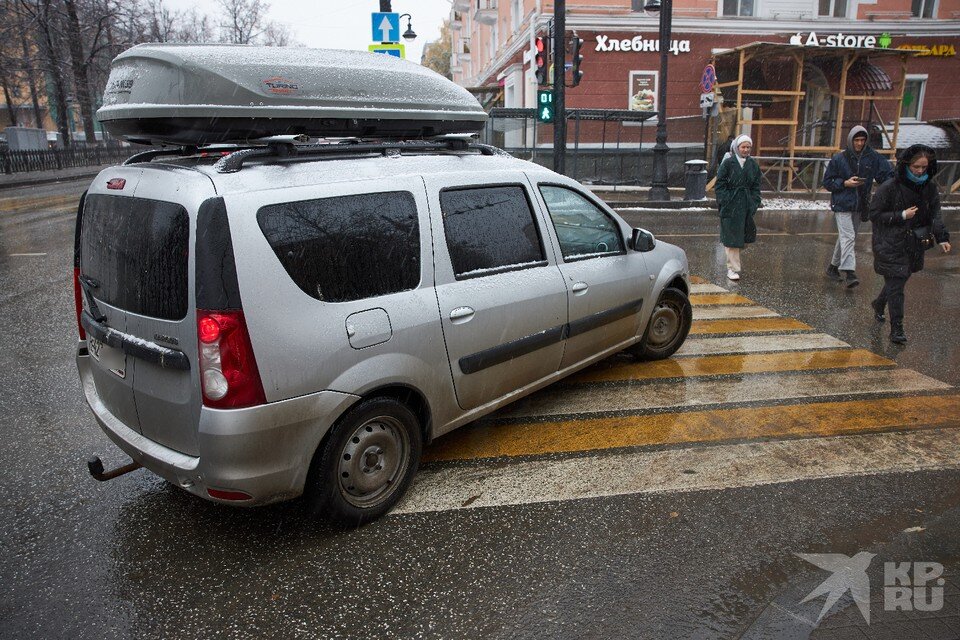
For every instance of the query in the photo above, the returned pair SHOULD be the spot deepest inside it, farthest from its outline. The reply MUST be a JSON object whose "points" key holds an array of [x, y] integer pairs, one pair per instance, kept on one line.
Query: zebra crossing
{"points": [[752, 397]]}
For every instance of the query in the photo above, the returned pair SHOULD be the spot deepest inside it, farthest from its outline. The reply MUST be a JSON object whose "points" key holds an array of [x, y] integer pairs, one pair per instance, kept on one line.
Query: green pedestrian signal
{"points": [[545, 106]]}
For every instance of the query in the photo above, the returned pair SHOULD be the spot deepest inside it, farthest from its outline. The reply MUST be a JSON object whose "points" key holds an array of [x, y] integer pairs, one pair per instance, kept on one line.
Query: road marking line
{"points": [[592, 399], [25, 255], [621, 368], [719, 298], [715, 467], [488, 440], [723, 312], [747, 325], [697, 280], [759, 344], [706, 288]]}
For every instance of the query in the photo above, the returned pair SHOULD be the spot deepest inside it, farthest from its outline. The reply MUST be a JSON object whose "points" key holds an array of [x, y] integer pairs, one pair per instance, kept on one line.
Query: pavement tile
{"points": [[918, 629], [840, 633]]}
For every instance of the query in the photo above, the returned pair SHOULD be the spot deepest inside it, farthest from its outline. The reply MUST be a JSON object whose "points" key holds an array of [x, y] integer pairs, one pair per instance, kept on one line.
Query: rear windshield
{"points": [[136, 249]]}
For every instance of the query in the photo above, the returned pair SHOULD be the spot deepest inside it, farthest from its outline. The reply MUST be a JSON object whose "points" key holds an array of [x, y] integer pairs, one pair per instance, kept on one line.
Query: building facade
{"points": [[493, 43]]}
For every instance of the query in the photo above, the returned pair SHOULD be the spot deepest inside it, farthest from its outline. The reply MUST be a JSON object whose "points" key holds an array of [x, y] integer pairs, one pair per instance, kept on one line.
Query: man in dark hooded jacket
{"points": [[849, 177]]}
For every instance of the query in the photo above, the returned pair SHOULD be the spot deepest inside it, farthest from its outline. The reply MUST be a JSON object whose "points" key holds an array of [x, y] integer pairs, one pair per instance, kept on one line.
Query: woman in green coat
{"points": [[738, 195]]}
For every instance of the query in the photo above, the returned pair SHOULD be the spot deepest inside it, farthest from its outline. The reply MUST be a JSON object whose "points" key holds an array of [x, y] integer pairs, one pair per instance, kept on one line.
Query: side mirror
{"points": [[642, 240]]}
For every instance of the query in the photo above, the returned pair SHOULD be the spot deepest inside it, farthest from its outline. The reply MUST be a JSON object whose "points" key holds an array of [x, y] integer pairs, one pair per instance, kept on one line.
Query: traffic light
{"points": [[542, 60], [576, 58]]}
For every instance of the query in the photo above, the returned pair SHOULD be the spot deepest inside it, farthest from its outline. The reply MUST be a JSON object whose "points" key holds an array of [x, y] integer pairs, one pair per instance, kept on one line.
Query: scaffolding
{"points": [[854, 70]]}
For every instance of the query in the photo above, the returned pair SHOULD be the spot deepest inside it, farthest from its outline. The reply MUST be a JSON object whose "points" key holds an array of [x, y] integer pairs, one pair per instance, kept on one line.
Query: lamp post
{"points": [[658, 188], [409, 35]]}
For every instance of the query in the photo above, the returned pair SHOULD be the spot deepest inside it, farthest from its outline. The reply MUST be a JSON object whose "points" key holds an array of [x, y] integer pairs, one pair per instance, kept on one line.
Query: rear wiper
{"points": [[88, 284]]}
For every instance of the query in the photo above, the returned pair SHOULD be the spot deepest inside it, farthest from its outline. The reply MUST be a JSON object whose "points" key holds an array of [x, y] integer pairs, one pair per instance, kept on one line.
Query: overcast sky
{"points": [[343, 24]]}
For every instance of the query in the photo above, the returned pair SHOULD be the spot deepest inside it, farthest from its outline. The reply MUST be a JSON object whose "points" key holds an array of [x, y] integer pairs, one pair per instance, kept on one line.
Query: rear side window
{"points": [[490, 230], [348, 247], [136, 250]]}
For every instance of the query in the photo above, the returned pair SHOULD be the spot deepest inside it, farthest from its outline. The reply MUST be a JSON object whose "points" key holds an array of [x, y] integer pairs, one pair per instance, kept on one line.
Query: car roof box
{"points": [[203, 94]]}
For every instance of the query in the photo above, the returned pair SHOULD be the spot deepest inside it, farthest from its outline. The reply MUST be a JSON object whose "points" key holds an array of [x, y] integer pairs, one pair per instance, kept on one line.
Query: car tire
{"points": [[668, 327], [366, 464]]}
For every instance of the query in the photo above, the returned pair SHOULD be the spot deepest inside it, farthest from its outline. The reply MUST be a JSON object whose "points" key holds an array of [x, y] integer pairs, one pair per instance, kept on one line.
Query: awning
{"points": [[862, 78]]}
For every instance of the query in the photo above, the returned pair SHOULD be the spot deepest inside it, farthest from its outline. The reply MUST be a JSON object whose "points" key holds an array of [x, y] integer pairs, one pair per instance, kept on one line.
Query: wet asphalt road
{"points": [[139, 558]]}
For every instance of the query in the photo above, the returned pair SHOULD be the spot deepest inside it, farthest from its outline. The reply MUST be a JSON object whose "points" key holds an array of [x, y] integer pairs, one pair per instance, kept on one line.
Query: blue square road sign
{"points": [[386, 27]]}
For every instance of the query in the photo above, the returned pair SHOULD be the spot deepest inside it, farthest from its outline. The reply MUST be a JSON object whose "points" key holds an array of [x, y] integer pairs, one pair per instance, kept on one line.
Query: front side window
{"points": [[348, 247], [490, 230], [136, 250], [584, 231], [738, 7]]}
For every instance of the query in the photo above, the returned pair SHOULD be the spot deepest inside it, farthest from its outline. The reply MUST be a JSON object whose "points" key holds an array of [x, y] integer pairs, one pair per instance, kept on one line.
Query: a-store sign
{"points": [[936, 50], [638, 44], [836, 40]]}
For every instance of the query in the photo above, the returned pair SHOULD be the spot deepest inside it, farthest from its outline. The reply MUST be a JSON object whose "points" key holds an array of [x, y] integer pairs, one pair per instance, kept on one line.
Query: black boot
{"points": [[897, 336], [852, 280], [834, 273], [878, 310]]}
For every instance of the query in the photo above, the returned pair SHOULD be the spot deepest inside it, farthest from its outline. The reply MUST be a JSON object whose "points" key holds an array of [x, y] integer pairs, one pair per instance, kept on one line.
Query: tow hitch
{"points": [[95, 465]]}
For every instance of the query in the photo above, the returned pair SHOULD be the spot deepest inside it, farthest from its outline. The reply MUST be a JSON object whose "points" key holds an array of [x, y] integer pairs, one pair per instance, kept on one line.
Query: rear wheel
{"points": [[366, 464], [668, 327]]}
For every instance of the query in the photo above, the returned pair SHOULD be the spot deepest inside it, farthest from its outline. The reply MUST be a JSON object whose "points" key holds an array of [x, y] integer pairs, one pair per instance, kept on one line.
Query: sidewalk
{"points": [[31, 178]]}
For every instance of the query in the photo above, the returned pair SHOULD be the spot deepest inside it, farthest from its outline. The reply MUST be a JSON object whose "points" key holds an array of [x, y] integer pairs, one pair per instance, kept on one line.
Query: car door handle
{"points": [[580, 288], [461, 314]]}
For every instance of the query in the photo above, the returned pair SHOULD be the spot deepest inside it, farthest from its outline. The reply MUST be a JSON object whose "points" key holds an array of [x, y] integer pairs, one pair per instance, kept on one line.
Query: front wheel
{"points": [[668, 327], [366, 464]]}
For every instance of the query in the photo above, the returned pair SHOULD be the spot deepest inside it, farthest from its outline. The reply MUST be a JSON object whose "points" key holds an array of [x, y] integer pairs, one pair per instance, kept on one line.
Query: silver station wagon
{"points": [[273, 319]]}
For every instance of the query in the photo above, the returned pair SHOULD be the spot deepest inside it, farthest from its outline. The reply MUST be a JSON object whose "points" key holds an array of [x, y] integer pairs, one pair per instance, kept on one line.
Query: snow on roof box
{"points": [[203, 94]]}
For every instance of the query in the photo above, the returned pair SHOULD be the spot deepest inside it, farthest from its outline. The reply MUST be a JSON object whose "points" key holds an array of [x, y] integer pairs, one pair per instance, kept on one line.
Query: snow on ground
{"points": [[794, 204]]}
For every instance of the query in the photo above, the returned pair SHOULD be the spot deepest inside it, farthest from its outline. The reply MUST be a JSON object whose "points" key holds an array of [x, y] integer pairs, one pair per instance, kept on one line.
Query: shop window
{"points": [[912, 105], [738, 7], [923, 8], [833, 9]]}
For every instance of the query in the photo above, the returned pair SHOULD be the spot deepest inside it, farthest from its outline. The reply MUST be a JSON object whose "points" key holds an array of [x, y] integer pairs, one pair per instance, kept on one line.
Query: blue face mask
{"points": [[917, 179]]}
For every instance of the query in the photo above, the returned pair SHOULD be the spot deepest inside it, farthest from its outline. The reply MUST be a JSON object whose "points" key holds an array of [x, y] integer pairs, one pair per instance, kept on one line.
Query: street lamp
{"points": [[658, 189], [409, 34]]}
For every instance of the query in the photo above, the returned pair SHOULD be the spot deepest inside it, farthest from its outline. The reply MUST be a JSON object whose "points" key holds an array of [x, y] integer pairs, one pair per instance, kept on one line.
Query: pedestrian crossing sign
{"points": [[545, 106]]}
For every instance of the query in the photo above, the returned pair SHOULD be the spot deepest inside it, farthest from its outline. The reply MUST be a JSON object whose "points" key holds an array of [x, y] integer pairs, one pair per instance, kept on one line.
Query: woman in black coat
{"points": [[904, 210]]}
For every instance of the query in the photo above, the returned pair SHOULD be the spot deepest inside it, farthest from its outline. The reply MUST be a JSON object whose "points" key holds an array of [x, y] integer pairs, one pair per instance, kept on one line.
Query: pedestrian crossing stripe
{"points": [[747, 325], [623, 368], [688, 427]]}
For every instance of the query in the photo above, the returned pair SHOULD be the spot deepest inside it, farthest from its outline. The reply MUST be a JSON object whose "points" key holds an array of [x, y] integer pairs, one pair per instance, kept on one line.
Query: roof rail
{"points": [[235, 161]]}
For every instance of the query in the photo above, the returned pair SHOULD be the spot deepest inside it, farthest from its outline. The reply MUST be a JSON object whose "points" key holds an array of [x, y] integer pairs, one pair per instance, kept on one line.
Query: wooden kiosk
{"points": [[787, 85]]}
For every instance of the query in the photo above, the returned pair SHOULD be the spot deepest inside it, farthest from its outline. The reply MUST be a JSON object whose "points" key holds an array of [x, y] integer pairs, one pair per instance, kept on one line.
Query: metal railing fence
{"points": [[75, 156]]}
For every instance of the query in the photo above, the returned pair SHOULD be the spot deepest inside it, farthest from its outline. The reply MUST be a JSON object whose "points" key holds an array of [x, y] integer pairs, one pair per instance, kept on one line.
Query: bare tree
{"points": [[278, 35], [243, 20], [42, 18], [194, 26]]}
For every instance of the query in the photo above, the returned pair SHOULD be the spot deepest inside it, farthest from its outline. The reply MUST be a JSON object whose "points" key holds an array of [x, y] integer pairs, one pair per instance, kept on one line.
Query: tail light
{"points": [[229, 377], [78, 301]]}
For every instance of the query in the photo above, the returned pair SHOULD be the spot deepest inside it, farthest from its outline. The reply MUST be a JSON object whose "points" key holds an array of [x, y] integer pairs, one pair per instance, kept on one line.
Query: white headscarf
{"points": [[735, 147]]}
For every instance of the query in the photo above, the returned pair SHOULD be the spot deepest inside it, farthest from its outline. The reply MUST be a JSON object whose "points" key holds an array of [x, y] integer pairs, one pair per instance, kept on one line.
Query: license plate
{"points": [[109, 358]]}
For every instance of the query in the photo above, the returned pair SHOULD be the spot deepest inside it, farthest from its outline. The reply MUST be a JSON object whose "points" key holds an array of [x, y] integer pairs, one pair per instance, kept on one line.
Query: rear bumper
{"points": [[263, 451]]}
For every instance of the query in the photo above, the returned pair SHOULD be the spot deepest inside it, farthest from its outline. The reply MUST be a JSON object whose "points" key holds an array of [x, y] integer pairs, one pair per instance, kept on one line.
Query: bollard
{"points": [[695, 180]]}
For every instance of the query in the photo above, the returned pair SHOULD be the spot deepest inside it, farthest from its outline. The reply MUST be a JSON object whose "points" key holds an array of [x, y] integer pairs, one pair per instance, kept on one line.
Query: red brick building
{"points": [[493, 42]]}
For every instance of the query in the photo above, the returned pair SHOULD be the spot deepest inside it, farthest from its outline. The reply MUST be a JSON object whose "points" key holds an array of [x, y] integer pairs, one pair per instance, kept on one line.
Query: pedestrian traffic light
{"points": [[575, 73], [542, 60]]}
